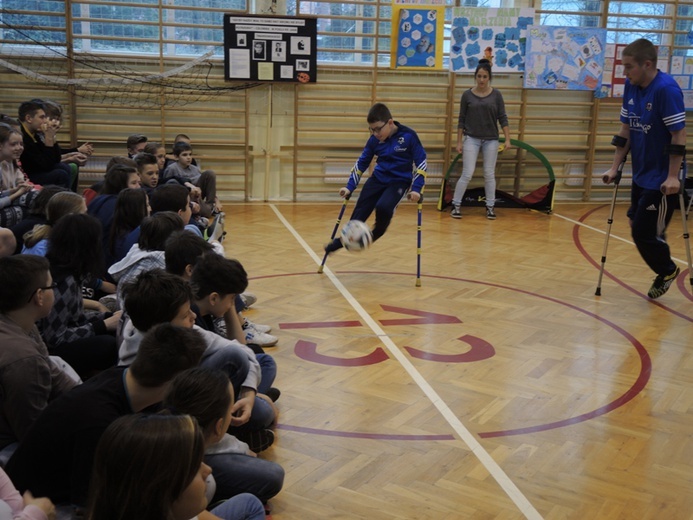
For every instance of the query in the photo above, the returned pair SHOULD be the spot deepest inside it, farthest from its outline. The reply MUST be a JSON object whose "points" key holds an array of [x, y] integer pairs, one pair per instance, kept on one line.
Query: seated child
{"points": [[202, 185]]}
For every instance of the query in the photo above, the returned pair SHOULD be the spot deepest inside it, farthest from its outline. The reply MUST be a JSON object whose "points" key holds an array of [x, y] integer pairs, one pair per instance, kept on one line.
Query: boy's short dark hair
{"points": [[180, 147], [155, 297], [214, 273], [53, 110], [29, 108], [169, 197], [379, 113], [184, 248], [119, 159], [155, 230], [641, 50], [20, 277], [152, 147], [135, 139], [144, 158], [165, 351]]}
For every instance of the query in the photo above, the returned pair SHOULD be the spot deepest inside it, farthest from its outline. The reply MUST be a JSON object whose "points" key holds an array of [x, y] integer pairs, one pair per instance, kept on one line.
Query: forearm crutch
{"points": [[684, 221], [419, 211], [619, 142], [334, 231]]}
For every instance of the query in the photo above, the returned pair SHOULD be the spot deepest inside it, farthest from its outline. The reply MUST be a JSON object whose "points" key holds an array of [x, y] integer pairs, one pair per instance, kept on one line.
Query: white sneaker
{"points": [[260, 338], [256, 326], [248, 299]]}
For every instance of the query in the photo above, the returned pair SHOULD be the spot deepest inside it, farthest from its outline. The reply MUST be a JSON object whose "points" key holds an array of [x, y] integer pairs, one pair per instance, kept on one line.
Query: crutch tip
{"points": [[418, 283], [320, 270], [598, 292]]}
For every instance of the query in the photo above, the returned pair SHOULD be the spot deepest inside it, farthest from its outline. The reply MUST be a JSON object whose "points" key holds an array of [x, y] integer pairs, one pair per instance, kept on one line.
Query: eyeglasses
{"points": [[378, 129], [50, 287]]}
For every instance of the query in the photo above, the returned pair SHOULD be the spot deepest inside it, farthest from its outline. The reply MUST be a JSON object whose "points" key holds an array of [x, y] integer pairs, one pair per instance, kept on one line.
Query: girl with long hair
{"points": [[61, 204], [16, 192], [132, 205], [150, 467], [84, 339], [482, 110]]}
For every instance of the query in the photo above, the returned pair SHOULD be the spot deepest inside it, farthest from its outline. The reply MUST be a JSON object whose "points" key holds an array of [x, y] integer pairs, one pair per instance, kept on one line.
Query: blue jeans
{"points": [[268, 369], [470, 152], [236, 473], [241, 507]]}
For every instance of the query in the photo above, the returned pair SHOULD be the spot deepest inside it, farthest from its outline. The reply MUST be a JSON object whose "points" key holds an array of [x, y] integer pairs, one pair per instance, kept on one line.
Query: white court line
{"points": [[679, 260], [525, 507]]}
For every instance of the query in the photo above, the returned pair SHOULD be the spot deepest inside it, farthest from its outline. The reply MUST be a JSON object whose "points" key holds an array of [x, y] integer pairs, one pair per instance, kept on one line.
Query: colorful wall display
{"points": [[417, 41], [567, 58], [497, 34]]}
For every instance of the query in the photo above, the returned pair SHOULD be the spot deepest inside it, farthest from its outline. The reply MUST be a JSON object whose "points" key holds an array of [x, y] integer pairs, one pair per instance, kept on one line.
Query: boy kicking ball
{"points": [[401, 164]]}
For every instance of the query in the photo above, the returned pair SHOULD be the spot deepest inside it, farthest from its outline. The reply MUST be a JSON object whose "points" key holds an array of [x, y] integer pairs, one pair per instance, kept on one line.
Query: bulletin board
{"points": [[418, 38], [270, 48], [564, 58], [496, 34]]}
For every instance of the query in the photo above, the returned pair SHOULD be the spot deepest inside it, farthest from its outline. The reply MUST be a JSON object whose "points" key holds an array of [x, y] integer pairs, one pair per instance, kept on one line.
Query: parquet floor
{"points": [[502, 388]]}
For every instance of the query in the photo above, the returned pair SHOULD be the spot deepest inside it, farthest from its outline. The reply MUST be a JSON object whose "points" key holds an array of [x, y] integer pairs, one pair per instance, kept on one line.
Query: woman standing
{"points": [[481, 111]]}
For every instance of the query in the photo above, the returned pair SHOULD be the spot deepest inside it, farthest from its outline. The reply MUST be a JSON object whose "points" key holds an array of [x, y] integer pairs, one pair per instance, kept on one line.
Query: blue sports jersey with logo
{"points": [[652, 113]]}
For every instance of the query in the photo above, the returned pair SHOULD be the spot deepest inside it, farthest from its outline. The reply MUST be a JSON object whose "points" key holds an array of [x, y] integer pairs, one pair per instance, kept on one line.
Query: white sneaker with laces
{"points": [[260, 338], [256, 326]]}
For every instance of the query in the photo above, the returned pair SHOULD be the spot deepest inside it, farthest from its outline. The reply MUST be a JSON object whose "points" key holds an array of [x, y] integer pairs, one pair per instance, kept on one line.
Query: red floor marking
{"points": [[425, 318], [583, 251], [376, 436], [480, 350], [309, 351], [681, 284], [320, 324], [635, 389]]}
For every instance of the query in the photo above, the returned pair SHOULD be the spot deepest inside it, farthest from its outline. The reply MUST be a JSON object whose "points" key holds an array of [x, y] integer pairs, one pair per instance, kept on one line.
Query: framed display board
{"points": [[270, 48], [496, 34], [567, 58], [417, 39]]}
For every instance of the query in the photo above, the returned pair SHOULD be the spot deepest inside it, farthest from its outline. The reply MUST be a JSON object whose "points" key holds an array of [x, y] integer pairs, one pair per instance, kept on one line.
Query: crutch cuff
{"points": [[619, 141], [675, 149]]}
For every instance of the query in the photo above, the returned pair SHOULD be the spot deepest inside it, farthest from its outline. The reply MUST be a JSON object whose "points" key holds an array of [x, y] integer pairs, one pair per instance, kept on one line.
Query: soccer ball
{"points": [[356, 236]]}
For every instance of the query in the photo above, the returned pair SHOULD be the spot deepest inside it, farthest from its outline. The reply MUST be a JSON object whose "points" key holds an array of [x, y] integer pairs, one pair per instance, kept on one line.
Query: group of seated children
{"points": [[124, 340]]}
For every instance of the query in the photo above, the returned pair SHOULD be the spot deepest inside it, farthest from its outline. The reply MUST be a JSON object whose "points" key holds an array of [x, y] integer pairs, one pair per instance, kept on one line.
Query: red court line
{"points": [[635, 389], [320, 324], [375, 436], [580, 247]]}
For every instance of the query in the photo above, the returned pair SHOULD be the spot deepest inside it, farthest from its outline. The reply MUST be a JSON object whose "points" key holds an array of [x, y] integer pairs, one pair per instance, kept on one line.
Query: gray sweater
{"points": [[480, 116]]}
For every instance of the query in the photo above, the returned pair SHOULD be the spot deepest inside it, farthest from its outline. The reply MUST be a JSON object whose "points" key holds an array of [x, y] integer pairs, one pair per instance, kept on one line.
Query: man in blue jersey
{"points": [[653, 127], [401, 165]]}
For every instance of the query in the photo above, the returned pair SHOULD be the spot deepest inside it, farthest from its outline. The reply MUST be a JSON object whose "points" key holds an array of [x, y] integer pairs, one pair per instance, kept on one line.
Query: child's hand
{"points": [[195, 192], [195, 208], [413, 196], [112, 322], [87, 149], [43, 503], [344, 193]]}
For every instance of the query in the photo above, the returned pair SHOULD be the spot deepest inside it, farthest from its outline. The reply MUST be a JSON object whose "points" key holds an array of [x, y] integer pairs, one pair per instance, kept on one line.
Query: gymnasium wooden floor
{"points": [[502, 388]]}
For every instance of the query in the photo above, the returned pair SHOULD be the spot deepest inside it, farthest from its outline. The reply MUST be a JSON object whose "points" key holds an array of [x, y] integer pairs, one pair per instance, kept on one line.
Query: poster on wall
{"points": [[614, 77], [495, 34], [270, 48], [564, 58], [418, 37]]}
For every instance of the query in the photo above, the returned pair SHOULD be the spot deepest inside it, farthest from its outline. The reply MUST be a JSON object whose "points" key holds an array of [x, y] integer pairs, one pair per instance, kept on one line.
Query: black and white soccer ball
{"points": [[356, 236]]}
